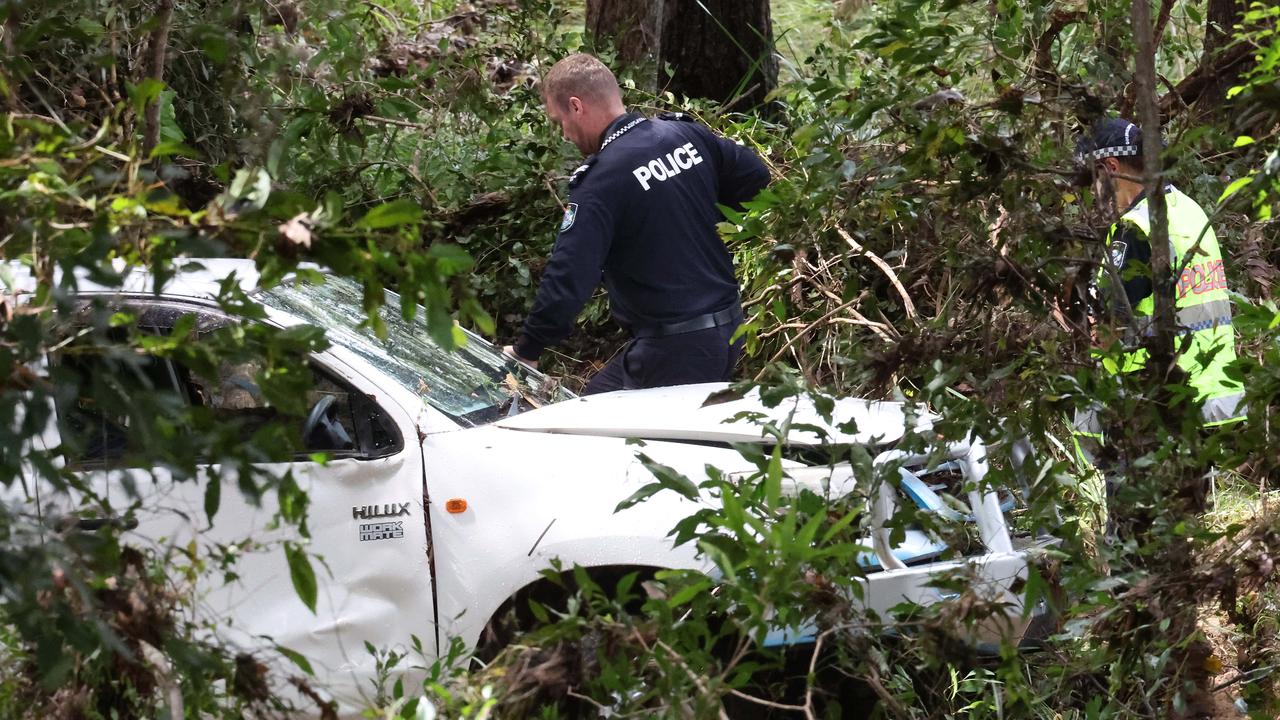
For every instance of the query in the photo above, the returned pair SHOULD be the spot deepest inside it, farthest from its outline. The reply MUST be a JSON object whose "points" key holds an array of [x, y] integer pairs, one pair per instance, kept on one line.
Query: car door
{"points": [[358, 464]]}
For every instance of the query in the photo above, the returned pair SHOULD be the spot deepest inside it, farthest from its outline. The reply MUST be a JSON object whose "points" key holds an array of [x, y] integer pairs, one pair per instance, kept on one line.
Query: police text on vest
{"points": [[675, 162]]}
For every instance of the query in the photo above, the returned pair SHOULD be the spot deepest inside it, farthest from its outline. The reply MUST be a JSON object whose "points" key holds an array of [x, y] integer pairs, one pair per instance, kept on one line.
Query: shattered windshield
{"points": [[472, 384]]}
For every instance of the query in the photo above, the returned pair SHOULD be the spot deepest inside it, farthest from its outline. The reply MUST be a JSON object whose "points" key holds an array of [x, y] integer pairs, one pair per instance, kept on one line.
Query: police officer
{"points": [[1206, 340], [642, 215]]}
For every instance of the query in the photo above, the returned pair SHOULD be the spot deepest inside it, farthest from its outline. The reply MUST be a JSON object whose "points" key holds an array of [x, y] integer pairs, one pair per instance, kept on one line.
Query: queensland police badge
{"points": [[1117, 252], [570, 214]]}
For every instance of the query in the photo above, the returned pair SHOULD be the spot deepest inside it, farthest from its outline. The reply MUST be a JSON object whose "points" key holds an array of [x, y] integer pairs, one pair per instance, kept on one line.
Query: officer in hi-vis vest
{"points": [[642, 216], [1205, 342]]}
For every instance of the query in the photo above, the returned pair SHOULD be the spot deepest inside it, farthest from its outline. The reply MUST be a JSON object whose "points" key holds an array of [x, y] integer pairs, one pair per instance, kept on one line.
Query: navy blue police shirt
{"points": [[1130, 255], [642, 216]]}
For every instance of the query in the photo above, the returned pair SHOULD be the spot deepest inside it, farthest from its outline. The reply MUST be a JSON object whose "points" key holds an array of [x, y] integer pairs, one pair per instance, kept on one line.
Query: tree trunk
{"points": [[720, 50], [725, 54], [1221, 18], [630, 25]]}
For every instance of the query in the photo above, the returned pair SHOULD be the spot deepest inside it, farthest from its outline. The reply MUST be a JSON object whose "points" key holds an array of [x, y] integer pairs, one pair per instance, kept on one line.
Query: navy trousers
{"points": [[696, 357]]}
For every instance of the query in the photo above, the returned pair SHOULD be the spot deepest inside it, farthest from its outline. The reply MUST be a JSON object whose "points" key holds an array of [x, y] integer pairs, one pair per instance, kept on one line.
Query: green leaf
{"points": [[298, 659], [688, 593], [671, 479], [1242, 141], [1235, 187], [212, 497], [810, 530], [1035, 589], [392, 214], [839, 525], [170, 130], [302, 575], [642, 494], [450, 259], [169, 148], [279, 151], [773, 479], [144, 92], [215, 45]]}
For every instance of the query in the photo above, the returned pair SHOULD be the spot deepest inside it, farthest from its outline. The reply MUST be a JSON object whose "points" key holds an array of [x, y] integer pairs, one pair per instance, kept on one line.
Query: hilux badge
{"points": [[369, 512]]}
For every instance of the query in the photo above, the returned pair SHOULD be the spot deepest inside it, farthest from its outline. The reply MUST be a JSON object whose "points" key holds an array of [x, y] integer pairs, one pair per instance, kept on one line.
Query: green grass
{"points": [[1238, 501], [798, 25]]}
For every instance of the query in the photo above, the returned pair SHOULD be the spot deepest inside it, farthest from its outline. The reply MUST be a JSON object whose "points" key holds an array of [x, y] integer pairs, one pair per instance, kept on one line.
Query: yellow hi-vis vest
{"points": [[1203, 307]]}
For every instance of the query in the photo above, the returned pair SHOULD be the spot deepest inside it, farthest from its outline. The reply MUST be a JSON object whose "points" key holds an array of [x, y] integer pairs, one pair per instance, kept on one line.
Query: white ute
{"points": [[446, 494]]}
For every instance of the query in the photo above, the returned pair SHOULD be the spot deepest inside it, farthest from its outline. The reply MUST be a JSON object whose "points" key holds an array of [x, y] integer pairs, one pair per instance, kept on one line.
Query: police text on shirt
{"points": [[661, 168]]}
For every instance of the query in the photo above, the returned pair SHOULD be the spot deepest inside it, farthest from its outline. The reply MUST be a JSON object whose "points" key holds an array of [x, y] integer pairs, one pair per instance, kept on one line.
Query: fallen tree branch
{"points": [[1043, 69], [1193, 86], [884, 267]]}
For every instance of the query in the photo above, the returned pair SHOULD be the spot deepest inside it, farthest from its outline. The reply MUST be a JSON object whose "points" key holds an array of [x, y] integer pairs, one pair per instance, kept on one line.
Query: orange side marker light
{"points": [[456, 505]]}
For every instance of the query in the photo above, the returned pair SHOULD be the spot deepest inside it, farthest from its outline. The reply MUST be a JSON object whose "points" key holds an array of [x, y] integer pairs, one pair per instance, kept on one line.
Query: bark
{"points": [[10, 29], [1222, 63], [1205, 81], [720, 50], [1221, 18], [159, 48], [1149, 121], [631, 26], [1130, 99]]}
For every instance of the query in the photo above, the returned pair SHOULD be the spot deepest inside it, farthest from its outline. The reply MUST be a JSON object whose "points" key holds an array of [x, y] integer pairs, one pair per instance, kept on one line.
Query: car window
{"points": [[469, 384], [341, 420], [100, 425], [99, 430]]}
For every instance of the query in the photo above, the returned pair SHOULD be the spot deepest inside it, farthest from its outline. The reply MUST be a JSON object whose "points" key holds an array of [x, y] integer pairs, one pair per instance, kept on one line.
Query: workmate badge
{"points": [[570, 214]]}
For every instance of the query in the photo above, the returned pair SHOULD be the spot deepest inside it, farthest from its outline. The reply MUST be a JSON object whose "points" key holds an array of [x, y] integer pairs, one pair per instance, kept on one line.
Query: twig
{"points": [[1251, 675], [604, 710], [813, 665], [858, 319], [795, 338], [393, 121], [873, 679], [112, 154], [884, 267], [159, 47], [745, 93], [697, 681], [768, 703]]}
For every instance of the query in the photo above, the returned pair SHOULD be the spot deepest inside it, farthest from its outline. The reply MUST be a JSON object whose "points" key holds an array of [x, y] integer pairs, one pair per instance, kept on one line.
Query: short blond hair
{"points": [[580, 75]]}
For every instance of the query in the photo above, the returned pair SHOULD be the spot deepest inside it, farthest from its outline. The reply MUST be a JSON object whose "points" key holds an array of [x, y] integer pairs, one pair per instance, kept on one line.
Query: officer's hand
{"points": [[510, 351]]}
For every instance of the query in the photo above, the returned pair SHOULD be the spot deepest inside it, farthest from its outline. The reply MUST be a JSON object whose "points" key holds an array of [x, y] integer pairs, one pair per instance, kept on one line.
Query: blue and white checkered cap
{"points": [[1111, 137]]}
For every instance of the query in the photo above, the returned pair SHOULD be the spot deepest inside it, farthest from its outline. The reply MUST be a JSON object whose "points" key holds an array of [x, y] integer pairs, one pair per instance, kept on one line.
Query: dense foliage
{"points": [[926, 238]]}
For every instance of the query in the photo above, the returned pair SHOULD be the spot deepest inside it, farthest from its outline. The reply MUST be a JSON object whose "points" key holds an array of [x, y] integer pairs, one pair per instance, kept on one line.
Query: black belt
{"points": [[731, 314]]}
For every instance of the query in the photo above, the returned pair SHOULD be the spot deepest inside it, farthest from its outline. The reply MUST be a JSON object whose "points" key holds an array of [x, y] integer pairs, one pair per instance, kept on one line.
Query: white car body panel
{"points": [[539, 486], [680, 413]]}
